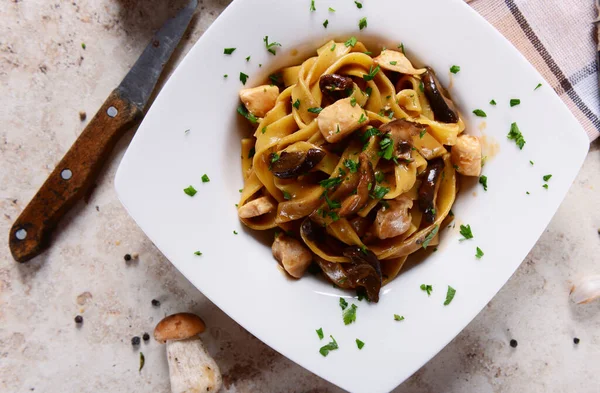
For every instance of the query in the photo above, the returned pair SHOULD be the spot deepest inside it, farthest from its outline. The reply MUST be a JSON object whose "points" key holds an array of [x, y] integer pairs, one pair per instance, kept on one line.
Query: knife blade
{"points": [[76, 172]]}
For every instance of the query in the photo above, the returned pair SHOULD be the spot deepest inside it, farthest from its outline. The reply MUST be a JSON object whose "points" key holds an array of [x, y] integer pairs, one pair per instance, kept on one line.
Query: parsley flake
{"points": [[393, 62], [515, 134], [320, 333], [455, 69], [244, 112], [531, 162], [449, 295], [362, 23], [343, 303], [326, 23], [205, 178], [479, 253], [386, 148], [286, 196], [228, 51], [371, 74], [329, 183], [379, 177], [142, 357], [274, 157], [351, 165], [398, 317], [312, 5], [251, 152], [493, 102], [545, 186], [328, 347], [191, 191], [422, 133], [296, 104], [421, 86], [315, 110], [83, 46], [243, 78], [264, 129], [483, 182], [480, 113], [401, 47], [271, 47], [198, 253], [547, 177], [349, 314], [331, 9], [351, 41], [430, 236], [359, 344], [379, 192], [358, 5], [353, 101], [332, 47], [537, 87], [330, 203], [235, 232], [362, 119], [466, 232], [514, 102], [427, 288]]}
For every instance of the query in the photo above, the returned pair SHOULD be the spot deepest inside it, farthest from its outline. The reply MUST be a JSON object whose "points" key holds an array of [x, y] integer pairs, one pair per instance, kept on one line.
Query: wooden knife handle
{"points": [[72, 177]]}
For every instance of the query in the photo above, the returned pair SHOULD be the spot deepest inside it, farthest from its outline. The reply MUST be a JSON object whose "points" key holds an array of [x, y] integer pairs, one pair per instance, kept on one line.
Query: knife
{"points": [[78, 169]]}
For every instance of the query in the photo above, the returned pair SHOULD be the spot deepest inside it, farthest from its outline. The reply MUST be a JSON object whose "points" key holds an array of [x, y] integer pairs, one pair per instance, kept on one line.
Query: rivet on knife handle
{"points": [[72, 177]]}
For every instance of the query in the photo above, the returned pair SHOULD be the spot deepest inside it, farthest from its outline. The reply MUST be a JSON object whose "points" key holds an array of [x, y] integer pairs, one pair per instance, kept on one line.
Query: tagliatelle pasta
{"points": [[354, 158]]}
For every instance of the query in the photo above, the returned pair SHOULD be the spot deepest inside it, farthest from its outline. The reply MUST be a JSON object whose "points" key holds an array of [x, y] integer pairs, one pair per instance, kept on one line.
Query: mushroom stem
{"points": [[191, 368]]}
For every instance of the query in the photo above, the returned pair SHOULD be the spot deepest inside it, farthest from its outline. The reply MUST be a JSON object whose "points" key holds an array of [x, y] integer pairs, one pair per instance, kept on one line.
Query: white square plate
{"points": [[238, 272]]}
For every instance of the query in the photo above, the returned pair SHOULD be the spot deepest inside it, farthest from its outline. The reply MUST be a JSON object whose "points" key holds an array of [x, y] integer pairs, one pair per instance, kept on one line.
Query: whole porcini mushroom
{"points": [[191, 368]]}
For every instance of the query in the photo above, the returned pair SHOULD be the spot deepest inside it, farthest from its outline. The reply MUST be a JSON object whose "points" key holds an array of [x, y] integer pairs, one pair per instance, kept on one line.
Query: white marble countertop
{"points": [[47, 78]]}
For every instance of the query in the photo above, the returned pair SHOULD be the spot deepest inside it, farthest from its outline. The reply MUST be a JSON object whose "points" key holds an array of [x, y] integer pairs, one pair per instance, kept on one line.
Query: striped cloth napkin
{"points": [[558, 38]]}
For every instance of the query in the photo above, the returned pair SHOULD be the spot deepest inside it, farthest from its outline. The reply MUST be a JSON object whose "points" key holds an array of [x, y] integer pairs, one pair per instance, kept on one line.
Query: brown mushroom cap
{"points": [[178, 327]]}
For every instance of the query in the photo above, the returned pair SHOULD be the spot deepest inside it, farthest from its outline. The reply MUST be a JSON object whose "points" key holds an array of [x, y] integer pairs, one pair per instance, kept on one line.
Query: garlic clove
{"points": [[586, 290]]}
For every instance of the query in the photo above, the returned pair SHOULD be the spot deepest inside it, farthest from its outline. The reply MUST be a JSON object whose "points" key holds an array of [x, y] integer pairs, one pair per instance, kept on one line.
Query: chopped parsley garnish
{"points": [[343, 303], [270, 47], [286, 196], [362, 23], [427, 288], [353, 101], [545, 186], [479, 253], [369, 133], [328, 347], [422, 133], [198, 253], [537, 87], [479, 112], [342, 172], [243, 78], [449, 295], [274, 79], [252, 152], [359, 344], [352, 165], [235, 232], [225, 76], [483, 182], [244, 112], [358, 5], [329, 183], [379, 192], [228, 51], [332, 47], [331, 9], [393, 62], [330, 203], [421, 86], [312, 5], [531, 162], [296, 104], [83, 46], [371, 74], [205, 178], [351, 41], [274, 157], [191, 191], [187, 131], [466, 232], [264, 129], [334, 216], [326, 23], [514, 102], [320, 333], [362, 119], [349, 314], [515, 134], [527, 192], [386, 148], [315, 110], [547, 177], [398, 317], [493, 102], [379, 177], [455, 69], [401, 47], [430, 236]]}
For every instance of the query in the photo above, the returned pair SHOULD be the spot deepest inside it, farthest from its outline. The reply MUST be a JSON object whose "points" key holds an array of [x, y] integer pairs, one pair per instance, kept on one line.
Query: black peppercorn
{"points": [[576, 340], [79, 319], [146, 337], [155, 303], [513, 343], [127, 257], [135, 340]]}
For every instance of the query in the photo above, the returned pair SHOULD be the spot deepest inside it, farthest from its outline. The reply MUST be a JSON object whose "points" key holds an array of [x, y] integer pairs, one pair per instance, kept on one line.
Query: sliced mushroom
{"points": [[428, 189], [257, 207], [259, 100], [393, 220], [341, 119], [354, 203], [191, 368], [392, 60], [293, 164], [294, 257], [441, 104], [466, 155], [335, 87], [401, 132], [365, 271]]}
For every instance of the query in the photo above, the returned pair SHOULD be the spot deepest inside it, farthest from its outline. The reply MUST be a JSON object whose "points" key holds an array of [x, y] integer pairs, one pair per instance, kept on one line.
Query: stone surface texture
{"points": [[47, 78]]}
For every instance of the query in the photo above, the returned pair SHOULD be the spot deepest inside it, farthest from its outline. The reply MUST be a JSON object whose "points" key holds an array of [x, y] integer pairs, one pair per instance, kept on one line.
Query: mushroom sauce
{"points": [[355, 159]]}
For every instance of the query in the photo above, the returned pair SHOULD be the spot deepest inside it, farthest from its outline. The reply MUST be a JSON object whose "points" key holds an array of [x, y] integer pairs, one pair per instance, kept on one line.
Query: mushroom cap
{"points": [[178, 327]]}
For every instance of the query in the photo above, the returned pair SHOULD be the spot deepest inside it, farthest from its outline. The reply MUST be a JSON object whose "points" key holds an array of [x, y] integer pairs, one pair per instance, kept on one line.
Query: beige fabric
{"points": [[559, 39]]}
